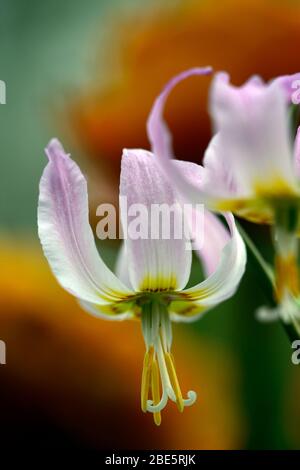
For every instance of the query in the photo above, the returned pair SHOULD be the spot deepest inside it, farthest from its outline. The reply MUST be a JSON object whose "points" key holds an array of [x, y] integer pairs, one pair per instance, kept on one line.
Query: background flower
{"points": [[153, 45]]}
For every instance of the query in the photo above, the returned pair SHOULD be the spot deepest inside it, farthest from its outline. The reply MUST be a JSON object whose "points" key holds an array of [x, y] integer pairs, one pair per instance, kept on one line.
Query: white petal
{"points": [[154, 264], [220, 285], [213, 236], [219, 178], [66, 235], [122, 270]]}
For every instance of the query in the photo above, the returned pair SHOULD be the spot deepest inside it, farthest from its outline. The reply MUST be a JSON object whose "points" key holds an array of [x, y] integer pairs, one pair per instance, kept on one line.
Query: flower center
{"points": [[159, 378]]}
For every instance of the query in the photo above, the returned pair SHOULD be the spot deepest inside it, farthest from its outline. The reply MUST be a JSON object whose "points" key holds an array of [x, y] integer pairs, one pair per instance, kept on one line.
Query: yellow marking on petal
{"points": [[117, 308], [277, 187], [158, 283], [146, 376], [187, 307], [231, 205], [155, 390], [286, 270], [174, 381], [260, 207], [252, 209], [109, 293]]}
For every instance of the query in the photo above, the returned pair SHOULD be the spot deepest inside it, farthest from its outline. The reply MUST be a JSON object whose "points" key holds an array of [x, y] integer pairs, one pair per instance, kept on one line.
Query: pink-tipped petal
{"points": [[66, 235]]}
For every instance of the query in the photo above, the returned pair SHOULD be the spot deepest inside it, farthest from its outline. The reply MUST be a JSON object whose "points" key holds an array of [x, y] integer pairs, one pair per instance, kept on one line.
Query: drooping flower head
{"points": [[251, 166], [151, 274]]}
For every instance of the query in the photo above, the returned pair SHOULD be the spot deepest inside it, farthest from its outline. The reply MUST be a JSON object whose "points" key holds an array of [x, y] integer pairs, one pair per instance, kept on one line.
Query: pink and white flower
{"points": [[151, 275], [251, 166]]}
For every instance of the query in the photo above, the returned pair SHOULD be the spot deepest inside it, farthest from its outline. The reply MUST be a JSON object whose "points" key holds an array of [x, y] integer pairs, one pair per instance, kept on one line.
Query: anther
{"points": [[155, 390], [174, 381]]}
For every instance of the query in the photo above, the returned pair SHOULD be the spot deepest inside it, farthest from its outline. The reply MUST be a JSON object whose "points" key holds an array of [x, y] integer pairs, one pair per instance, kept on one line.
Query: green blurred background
{"points": [[87, 72]]}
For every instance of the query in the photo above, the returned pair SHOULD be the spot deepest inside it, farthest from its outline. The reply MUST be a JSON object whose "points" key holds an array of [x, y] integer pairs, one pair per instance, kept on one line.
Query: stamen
{"points": [[155, 391], [146, 376], [159, 371], [165, 379], [174, 381]]}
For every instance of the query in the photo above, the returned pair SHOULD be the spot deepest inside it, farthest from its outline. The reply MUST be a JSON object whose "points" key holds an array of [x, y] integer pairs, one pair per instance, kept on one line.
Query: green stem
{"points": [[264, 266]]}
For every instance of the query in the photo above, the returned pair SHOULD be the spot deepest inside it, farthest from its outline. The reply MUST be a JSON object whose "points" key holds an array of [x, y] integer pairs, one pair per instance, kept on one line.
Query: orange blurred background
{"points": [[87, 72], [148, 47]]}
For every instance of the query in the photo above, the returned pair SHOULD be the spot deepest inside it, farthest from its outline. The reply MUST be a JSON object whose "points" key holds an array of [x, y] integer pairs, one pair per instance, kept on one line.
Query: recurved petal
{"points": [[158, 131], [159, 254], [161, 141], [66, 235], [220, 285]]}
